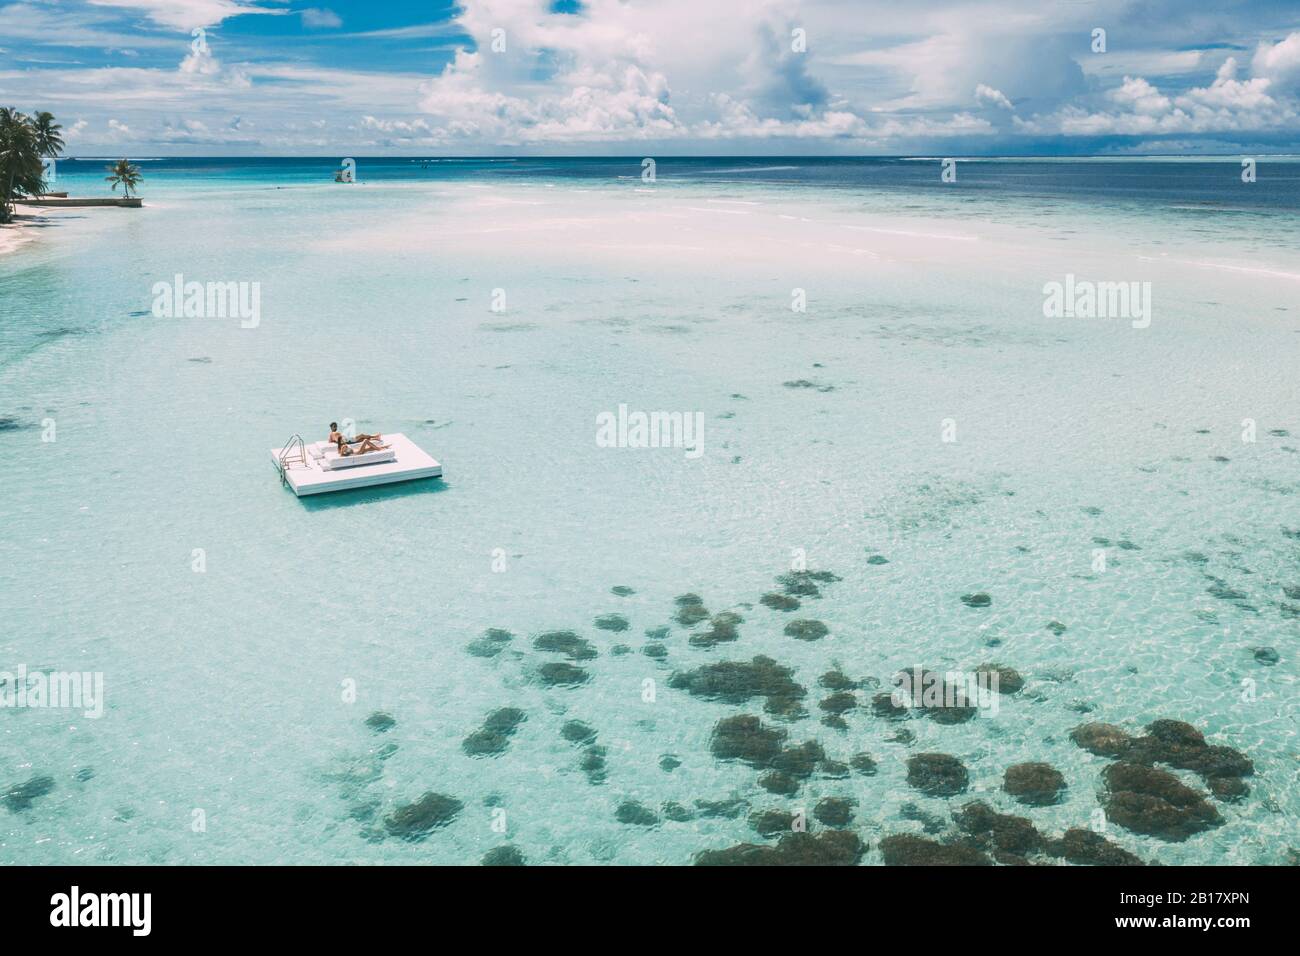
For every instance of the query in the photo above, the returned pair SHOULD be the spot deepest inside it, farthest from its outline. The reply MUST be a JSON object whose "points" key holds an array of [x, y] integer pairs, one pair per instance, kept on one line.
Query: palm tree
{"points": [[126, 173], [21, 170], [49, 134]]}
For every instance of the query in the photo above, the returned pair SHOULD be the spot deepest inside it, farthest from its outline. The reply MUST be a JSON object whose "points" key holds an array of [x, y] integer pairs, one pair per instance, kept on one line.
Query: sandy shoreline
{"points": [[18, 233]]}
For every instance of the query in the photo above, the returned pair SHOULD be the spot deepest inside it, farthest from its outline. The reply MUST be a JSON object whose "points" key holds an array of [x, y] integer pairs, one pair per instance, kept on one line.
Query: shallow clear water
{"points": [[225, 690]]}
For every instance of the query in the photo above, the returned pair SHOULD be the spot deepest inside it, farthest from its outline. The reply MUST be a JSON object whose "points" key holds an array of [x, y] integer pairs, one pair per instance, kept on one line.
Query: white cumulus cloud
{"points": [[320, 18], [187, 14], [987, 94]]}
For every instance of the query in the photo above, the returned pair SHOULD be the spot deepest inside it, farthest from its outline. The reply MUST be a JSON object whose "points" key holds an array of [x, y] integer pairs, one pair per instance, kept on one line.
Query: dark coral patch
{"points": [[782, 784], [1172, 736], [504, 720], [635, 814], [1034, 784], [837, 680], [690, 616], [20, 796], [746, 738], [1181, 745], [504, 856], [1004, 680], [769, 823], [939, 775], [799, 761], [562, 674], [884, 705], [414, 821], [1155, 803], [823, 577], [1104, 740], [1227, 788], [864, 764], [611, 622], [905, 849], [805, 383], [835, 811], [722, 630], [804, 583], [839, 703], [998, 831], [492, 738], [676, 812], [577, 732], [1175, 743], [380, 722], [735, 682], [593, 765], [565, 642], [806, 630], [725, 809], [492, 643], [799, 584], [941, 700], [690, 610], [779, 602], [1090, 849], [832, 848]]}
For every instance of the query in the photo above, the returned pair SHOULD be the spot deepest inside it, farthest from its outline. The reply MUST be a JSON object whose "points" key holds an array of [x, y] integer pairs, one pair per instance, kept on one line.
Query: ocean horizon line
{"points": [[963, 157]]}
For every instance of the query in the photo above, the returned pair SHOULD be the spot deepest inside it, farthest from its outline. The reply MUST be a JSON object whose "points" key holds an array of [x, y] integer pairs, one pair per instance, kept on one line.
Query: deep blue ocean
{"points": [[1208, 184]]}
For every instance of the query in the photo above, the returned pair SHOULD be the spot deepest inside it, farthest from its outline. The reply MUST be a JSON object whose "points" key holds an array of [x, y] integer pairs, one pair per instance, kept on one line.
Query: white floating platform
{"points": [[314, 477]]}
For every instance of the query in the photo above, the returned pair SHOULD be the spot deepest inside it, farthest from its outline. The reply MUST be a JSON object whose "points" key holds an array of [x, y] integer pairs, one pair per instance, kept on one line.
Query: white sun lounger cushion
{"points": [[333, 459]]}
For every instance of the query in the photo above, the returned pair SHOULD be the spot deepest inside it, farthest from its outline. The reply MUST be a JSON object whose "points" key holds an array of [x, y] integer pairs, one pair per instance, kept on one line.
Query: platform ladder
{"points": [[293, 452]]}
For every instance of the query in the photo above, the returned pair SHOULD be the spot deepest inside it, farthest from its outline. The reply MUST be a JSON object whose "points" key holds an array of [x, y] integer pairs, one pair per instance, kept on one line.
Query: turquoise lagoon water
{"points": [[226, 691]]}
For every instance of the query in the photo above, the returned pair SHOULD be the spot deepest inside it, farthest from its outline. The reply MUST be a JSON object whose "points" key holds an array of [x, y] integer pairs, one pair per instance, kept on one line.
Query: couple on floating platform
{"points": [[368, 442]]}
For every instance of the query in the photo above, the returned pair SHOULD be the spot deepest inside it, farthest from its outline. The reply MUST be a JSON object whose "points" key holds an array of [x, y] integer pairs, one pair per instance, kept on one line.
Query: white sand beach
{"points": [[15, 234]]}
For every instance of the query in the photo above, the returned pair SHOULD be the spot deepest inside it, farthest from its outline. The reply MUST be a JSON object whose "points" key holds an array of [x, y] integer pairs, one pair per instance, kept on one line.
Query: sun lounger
{"points": [[332, 460], [319, 450]]}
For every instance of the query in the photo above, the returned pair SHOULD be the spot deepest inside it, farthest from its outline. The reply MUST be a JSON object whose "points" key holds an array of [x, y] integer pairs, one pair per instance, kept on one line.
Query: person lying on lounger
{"points": [[369, 443], [336, 436]]}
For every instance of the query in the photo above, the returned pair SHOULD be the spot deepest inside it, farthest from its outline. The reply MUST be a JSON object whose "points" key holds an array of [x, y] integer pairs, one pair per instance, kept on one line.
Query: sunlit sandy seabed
{"points": [[226, 690]]}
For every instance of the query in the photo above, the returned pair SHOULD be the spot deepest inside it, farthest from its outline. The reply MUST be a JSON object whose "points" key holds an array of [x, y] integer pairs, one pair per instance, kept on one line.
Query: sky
{"points": [[657, 77]]}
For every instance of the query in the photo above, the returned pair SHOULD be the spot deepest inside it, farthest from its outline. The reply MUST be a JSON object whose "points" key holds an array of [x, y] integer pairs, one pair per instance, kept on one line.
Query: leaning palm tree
{"points": [[49, 135], [21, 170], [126, 173]]}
